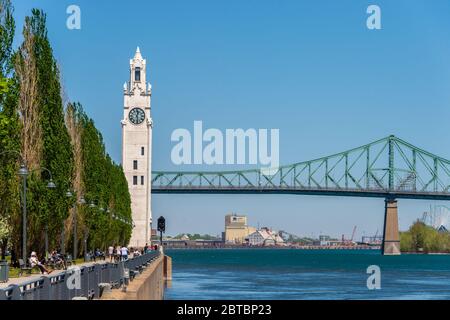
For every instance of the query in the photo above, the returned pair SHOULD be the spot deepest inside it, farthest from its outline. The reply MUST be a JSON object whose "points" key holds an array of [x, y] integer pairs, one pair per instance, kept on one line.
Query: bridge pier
{"points": [[391, 236]]}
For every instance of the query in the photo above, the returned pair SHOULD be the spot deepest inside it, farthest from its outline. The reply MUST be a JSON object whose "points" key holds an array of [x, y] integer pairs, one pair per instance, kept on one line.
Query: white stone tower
{"points": [[137, 148]]}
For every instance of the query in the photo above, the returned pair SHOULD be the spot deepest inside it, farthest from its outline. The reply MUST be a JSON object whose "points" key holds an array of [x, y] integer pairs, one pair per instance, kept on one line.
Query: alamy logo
{"points": [[74, 280], [374, 20], [374, 280], [236, 146], [74, 20]]}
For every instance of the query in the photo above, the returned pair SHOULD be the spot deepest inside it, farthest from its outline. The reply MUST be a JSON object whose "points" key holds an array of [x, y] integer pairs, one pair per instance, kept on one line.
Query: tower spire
{"points": [[138, 54]]}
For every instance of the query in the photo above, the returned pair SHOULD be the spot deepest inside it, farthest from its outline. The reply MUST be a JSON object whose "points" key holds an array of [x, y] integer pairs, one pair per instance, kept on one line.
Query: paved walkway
{"points": [[32, 277]]}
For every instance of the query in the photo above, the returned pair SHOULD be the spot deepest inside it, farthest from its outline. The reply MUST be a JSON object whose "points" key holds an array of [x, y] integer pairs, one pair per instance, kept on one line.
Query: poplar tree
{"points": [[9, 131], [35, 123]]}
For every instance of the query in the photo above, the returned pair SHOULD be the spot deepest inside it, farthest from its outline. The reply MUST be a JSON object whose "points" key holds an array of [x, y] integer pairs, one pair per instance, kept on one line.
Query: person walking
{"points": [[118, 253], [111, 253], [124, 253]]}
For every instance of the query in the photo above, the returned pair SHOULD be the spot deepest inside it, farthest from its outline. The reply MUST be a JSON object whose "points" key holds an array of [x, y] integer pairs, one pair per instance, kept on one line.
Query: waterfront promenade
{"points": [[35, 277], [144, 274]]}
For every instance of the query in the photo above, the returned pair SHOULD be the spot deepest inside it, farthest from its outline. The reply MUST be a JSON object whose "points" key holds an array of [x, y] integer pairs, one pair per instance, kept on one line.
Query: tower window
{"points": [[142, 151], [137, 74], [135, 180], [135, 165], [142, 180]]}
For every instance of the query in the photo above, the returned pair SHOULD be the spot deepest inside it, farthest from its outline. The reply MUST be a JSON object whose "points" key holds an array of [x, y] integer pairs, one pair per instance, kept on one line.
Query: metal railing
{"points": [[63, 287]]}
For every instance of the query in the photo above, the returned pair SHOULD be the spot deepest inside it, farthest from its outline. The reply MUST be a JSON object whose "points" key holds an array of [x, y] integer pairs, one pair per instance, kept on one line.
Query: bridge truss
{"points": [[389, 168]]}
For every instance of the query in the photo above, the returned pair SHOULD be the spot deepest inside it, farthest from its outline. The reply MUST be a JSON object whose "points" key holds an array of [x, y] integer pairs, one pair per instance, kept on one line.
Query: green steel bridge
{"points": [[388, 168]]}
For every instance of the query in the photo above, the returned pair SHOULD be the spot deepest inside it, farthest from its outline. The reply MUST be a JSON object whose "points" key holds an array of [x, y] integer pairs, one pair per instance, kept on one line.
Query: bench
{"points": [[23, 267]]}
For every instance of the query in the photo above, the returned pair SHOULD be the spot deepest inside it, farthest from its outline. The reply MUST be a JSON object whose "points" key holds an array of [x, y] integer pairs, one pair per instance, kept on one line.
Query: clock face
{"points": [[137, 116]]}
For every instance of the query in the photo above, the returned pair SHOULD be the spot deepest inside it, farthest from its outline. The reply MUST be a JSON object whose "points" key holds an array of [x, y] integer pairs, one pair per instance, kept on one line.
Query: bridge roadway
{"points": [[370, 193]]}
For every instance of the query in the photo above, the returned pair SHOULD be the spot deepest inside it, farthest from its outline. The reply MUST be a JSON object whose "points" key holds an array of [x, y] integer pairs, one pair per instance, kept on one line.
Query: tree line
{"points": [[423, 238], [48, 134]]}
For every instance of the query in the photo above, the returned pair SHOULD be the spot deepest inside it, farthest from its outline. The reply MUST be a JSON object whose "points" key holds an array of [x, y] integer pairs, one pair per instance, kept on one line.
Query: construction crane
{"points": [[350, 241], [353, 234]]}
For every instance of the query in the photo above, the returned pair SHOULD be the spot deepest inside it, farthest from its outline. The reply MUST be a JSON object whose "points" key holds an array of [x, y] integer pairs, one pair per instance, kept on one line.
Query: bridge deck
{"points": [[397, 194]]}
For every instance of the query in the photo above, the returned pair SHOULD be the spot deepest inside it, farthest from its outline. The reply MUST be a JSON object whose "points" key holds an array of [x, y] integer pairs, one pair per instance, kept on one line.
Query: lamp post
{"points": [[63, 236], [82, 201], [92, 205], [23, 172], [50, 185]]}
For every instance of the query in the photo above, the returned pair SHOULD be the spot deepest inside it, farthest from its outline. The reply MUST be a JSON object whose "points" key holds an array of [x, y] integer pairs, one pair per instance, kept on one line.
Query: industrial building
{"points": [[264, 237], [236, 229]]}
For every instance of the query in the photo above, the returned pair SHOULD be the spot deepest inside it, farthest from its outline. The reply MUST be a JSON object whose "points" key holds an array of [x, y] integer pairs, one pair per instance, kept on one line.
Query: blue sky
{"points": [[309, 68]]}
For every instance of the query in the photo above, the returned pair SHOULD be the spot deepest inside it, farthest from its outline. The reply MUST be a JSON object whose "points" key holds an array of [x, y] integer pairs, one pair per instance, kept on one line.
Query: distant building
{"points": [[264, 237], [236, 229], [184, 237], [323, 240]]}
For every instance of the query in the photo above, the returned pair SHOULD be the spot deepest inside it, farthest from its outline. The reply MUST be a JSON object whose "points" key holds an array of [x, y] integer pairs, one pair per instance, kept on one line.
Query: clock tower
{"points": [[137, 148]]}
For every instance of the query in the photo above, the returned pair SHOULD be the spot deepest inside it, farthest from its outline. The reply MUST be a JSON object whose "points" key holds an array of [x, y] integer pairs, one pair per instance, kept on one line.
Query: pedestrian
{"points": [[124, 253], [34, 262], [118, 253], [131, 252], [111, 253]]}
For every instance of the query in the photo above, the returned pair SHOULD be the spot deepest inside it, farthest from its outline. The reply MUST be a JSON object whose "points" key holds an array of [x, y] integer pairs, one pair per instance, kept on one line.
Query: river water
{"points": [[273, 274]]}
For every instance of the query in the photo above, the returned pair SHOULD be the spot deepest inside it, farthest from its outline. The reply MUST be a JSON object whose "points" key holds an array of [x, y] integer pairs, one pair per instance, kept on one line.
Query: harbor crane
{"points": [[349, 242]]}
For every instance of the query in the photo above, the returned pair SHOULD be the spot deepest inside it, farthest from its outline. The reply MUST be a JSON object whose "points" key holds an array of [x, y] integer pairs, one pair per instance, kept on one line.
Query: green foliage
{"points": [[49, 208], [5, 228], [9, 131], [423, 238], [105, 185], [3, 86], [103, 180], [7, 29]]}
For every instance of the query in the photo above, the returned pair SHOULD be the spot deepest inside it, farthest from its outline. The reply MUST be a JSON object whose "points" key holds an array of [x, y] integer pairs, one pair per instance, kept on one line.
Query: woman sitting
{"points": [[34, 262]]}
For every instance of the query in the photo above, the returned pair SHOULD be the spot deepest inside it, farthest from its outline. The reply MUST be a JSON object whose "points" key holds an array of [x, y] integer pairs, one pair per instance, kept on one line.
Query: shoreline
{"points": [[303, 248], [271, 248]]}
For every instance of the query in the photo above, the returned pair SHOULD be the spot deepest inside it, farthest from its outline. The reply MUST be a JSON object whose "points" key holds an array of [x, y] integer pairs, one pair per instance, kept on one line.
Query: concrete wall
{"points": [[149, 285]]}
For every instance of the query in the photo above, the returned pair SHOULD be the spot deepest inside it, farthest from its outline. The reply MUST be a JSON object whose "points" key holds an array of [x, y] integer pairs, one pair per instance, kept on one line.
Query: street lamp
{"points": [[92, 205], [63, 236], [23, 173], [82, 202], [50, 185]]}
